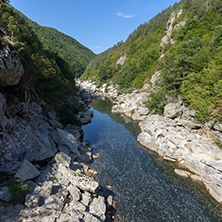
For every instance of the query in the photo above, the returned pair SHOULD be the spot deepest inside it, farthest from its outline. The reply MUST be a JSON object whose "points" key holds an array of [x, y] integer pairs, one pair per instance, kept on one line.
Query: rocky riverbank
{"points": [[175, 136], [53, 161]]}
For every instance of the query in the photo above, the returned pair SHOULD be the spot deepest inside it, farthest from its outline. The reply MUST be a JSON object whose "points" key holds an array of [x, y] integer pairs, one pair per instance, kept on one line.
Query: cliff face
{"points": [[11, 69]]}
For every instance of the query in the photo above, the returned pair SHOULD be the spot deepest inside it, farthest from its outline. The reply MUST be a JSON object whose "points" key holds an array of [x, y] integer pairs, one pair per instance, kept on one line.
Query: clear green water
{"points": [[145, 187]]}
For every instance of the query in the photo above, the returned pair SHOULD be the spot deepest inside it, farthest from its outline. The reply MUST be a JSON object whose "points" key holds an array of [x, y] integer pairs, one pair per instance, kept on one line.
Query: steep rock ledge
{"points": [[176, 137]]}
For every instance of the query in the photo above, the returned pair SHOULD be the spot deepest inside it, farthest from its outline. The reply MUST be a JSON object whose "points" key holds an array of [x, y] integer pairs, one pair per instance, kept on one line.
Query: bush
{"points": [[18, 191], [156, 102]]}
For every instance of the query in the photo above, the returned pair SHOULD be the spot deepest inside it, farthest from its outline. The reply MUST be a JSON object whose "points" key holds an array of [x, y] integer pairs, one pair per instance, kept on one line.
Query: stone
{"points": [[98, 207], [4, 194], [68, 218], [56, 124], [86, 196], [83, 182], [172, 110], [27, 171], [155, 77], [11, 69], [182, 173], [90, 218], [42, 147], [32, 201], [56, 202], [217, 126], [74, 192], [52, 114], [62, 158], [121, 60], [110, 200], [84, 158], [45, 190], [64, 138], [73, 206]]}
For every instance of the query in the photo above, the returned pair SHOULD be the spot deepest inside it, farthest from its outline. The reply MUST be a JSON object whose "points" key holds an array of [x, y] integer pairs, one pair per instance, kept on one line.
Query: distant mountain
{"points": [[183, 46], [74, 53]]}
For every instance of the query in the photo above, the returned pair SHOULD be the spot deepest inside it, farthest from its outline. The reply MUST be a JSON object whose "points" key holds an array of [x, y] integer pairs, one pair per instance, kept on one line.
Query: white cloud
{"points": [[96, 47], [125, 16]]}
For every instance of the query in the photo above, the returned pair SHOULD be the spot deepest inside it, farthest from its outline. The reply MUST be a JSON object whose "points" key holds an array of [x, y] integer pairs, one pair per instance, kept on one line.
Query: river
{"points": [[146, 187]]}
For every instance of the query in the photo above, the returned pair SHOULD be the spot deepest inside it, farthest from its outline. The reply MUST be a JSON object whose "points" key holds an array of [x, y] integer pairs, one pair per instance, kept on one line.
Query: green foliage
{"points": [[75, 54], [18, 191], [191, 66], [68, 111], [46, 72], [156, 102]]}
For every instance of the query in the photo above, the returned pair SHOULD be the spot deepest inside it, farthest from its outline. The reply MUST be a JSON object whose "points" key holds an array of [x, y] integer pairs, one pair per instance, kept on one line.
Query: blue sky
{"points": [[97, 24]]}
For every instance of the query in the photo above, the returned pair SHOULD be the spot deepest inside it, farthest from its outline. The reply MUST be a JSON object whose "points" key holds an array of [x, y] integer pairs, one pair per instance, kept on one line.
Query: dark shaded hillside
{"points": [[74, 53], [189, 61]]}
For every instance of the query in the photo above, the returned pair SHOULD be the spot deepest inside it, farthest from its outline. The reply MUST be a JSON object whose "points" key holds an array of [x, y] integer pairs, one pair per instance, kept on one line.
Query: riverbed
{"points": [[145, 187]]}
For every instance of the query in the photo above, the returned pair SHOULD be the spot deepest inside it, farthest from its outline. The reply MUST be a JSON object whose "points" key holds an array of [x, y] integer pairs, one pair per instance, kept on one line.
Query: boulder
{"points": [[42, 147], [98, 207], [27, 171], [81, 181], [32, 201], [56, 124], [62, 158], [173, 110], [64, 138], [45, 190], [217, 126], [74, 192], [52, 114], [4, 194]]}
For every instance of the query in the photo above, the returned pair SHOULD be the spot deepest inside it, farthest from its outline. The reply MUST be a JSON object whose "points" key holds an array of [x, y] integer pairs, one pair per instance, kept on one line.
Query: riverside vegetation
{"points": [[190, 64]]}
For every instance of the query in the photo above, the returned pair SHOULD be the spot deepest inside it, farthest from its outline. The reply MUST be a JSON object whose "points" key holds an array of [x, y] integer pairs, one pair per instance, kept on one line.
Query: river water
{"points": [[146, 188]]}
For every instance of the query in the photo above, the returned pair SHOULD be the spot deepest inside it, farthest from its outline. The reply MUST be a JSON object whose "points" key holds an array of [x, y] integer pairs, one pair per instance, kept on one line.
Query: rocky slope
{"points": [[50, 158]]}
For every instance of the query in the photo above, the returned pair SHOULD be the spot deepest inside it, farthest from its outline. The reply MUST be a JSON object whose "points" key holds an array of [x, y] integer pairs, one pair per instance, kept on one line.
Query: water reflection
{"points": [[146, 187]]}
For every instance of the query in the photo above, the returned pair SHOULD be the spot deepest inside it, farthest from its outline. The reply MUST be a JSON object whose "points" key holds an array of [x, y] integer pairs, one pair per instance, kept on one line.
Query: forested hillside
{"points": [[75, 54], [46, 73], [190, 62]]}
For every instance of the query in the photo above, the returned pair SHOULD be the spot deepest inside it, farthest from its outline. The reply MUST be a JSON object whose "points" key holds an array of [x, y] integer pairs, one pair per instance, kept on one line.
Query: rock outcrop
{"points": [[121, 60], [11, 69], [169, 28]]}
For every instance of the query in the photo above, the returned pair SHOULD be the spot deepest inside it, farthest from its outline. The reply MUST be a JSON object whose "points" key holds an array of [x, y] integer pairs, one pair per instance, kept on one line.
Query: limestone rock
{"points": [[42, 147], [52, 114], [155, 77], [217, 126], [62, 158], [11, 69], [98, 207], [172, 110], [121, 60], [64, 138], [79, 180], [4, 194], [27, 171], [56, 124], [74, 192], [32, 201]]}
